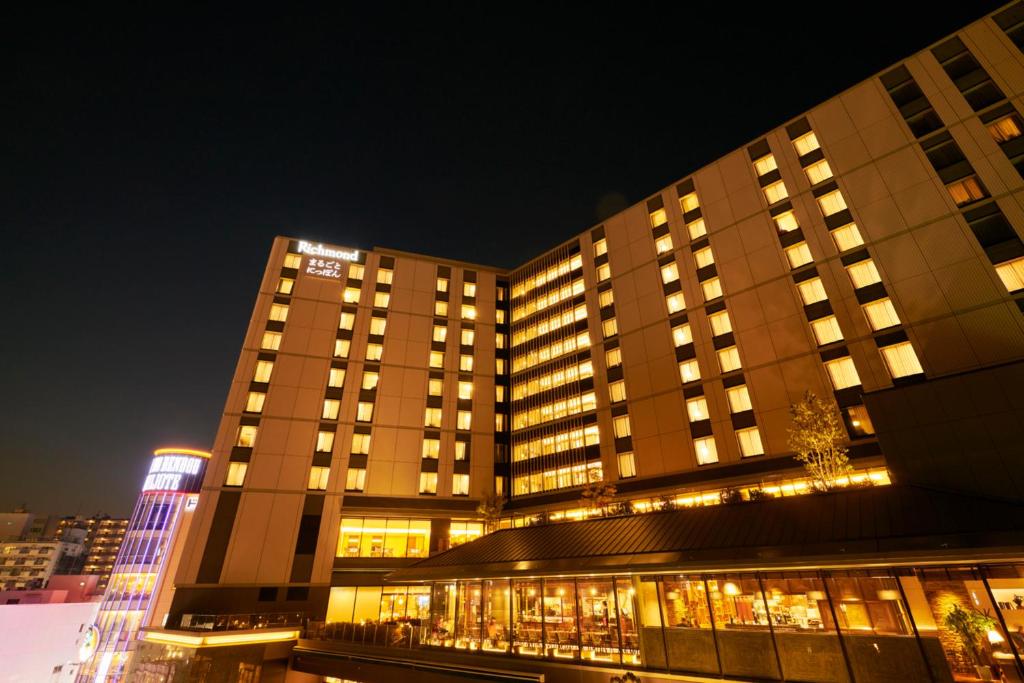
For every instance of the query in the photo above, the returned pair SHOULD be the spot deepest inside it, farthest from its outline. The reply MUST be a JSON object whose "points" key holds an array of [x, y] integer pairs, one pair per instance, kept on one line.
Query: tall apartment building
{"points": [[868, 251], [103, 536]]}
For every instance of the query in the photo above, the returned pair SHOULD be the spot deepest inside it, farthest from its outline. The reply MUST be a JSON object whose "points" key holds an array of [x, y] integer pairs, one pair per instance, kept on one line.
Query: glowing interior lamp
{"points": [[995, 637], [731, 588]]}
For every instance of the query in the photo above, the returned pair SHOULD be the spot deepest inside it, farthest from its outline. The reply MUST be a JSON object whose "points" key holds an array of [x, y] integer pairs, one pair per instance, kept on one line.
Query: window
{"points": [[786, 222], [609, 327], [428, 482], [500, 340], [658, 217], [605, 298], [729, 359], [467, 337], [341, 348], [881, 314], [966, 190], [775, 192], [818, 172], [831, 203], [460, 484], [720, 323], [739, 399], [499, 393], [464, 419], [765, 165], [499, 316], [364, 411], [706, 451], [469, 289], [466, 363], [826, 330], [292, 261], [441, 308], [806, 143], [246, 436], [346, 321], [750, 442], [627, 466], [278, 312], [613, 357], [901, 360], [689, 371], [696, 229], [378, 325], [465, 390], [439, 334], [460, 450], [374, 351], [285, 285], [676, 302], [271, 341], [236, 473], [355, 479], [621, 427], [859, 421], [324, 442], [617, 391], [712, 288], [437, 359], [697, 409], [1012, 274], [600, 247], [370, 380], [442, 284], [663, 244], [360, 444], [254, 402], [681, 335], [385, 276], [431, 448], [798, 255], [350, 295], [356, 271], [468, 312], [842, 373], [689, 202], [811, 291], [603, 272], [1005, 129], [381, 299], [330, 409], [863, 273], [847, 237], [318, 477], [263, 370], [336, 377], [703, 257], [500, 422], [434, 387]]}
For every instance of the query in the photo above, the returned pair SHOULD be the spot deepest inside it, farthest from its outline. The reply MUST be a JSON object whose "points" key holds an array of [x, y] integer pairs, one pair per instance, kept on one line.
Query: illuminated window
{"points": [[605, 298], [246, 436], [441, 308], [381, 299], [806, 143], [499, 316], [469, 289], [966, 190], [609, 327], [739, 399], [374, 351], [750, 442], [696, 229], [689, 202], [355, 479], [364, 411], [669, 273], [460, 450], [442, 284], [378, 325], [786, 222], [712, 288], [370, 380], [263, 370], [706, 450], [465, 390], [847, 237], [901, 360], [500, 340], [613, 357], [859, 421], [466, 338], [292, 261], [663, 244], [765, 165], [460, 485], [432, 417], [617, 391], [604, 272], [729, 359], [826, 330], [468, 312], [703, 257], [341, 348], [318, 477], [324, 442], [330, 409], [428, 482], [775, 192], [346, 321], [689, 371], [356, 271], [863, 273], [285, 285], [271, 341], [1005, 129], [842, 373], [881, 314], [278, 312], [621, 427], [360, 444], [627, 466], [697, 409], [440, 333], [350, 295], [676, 302], [466, 363], [811, 291], [831, 203], [431, 448], [434, 387], [658, 217], [254, 402], [499, 393], [681, 335], [798, 255], [720, 323], [499, 366], [437, 359], [818, 172], [236, 473], [385, 276], [600, 247], [500, 422], [1012, 274]]}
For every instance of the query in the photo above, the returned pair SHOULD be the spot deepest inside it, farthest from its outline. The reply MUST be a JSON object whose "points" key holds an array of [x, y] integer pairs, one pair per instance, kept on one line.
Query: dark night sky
{"points": [[147, 160]]}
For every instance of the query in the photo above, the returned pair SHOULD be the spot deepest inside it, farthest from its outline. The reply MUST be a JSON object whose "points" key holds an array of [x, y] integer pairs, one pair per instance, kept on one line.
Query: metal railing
{"points": [[406, 634], [240, 622]]}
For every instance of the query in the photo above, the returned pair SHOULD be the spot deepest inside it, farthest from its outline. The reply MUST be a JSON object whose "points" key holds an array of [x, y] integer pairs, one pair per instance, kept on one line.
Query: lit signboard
{"points": [[326, 262], [175, 472]]}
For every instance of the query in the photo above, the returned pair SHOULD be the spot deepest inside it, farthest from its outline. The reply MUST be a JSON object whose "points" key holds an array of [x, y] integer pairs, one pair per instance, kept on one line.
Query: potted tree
{"points": [[972, 627]]}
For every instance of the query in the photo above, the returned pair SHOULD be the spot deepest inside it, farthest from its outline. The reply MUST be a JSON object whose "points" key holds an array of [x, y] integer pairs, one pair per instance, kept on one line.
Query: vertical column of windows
{"points": [[502, 393], [355, 475], [464, 398], [435, 383]]}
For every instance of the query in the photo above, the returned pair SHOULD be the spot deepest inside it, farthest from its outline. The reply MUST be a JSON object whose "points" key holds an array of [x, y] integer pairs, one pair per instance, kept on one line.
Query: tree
{"points": [[972, 627], [490, 508], [598, 494], [817, 436]]}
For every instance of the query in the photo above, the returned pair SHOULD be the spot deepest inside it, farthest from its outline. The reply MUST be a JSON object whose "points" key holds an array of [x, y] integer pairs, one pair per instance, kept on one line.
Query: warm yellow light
{"points": [[219, 640], [181, 451], [994, 637], [731, 588]]}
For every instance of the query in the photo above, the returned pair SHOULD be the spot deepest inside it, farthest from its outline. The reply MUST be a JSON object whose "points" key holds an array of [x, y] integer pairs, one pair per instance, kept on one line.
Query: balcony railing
{"points": [[240, 622], [405, 634]]}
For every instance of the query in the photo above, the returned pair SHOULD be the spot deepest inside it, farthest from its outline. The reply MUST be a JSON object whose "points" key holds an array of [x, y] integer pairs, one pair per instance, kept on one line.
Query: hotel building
{"points": [[869, 251]]}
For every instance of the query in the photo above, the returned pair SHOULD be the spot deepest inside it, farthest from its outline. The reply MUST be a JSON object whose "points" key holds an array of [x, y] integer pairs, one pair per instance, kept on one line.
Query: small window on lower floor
{"points": [[236, 473], [750, 442], [318, 477], [428, 482], [355, 479], [460, 485], [627, 466]]}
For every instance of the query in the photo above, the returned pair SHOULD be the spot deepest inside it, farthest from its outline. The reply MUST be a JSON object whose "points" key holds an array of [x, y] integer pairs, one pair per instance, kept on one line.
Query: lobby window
{"points": [[355, 479], [720, 323], [292, 261], [775, 192], [613, 357], [617, 391], [729, 359], [901, 360], [600, 247], [689, 371], [603, 272], [263, 370], [271, 341], [431, 448], [466, 337], [627, 466], [609, 327], [826, 330], [750, 442], [811, 291], [437, 359], [468, 312], [330, 409], [765, 165], [378, 325], [675, 302], [967, 190], [847, 237], [786, 222], [688, 202], [831, 203], [818, 172], [285, 285], [460, 484], [798, 255], [1005, 129], [605, 298], [381, 299], [703, 257], [663, 244], [464, 532], [364, 411], [621, 427], [681, 335], [712, 289], [669, 273], [658, 217], [318, 477], [254, 402], [246, 436], [279, 312], [236, 473], [842, 373], [374, 351], [707, 452], [881, 314], [428, 482], [442, 284], [441, 308], [324, 442], [346, 321], [350, 295], [696, 229], [356, 271], [370, 380], [465, 390], [463, 419], [1012, 274], [466, 362], [434, 386], [341, 348], [336, 378], [863, 273], [697, 409], [360, 444], [385, 276], [806, 143], [739, 399]]}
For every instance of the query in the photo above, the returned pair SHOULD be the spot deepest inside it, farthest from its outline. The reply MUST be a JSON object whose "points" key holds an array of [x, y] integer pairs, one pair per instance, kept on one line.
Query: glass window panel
{"points": [[826, 330], [881, 314], [831, 203], [1012, 274], [658, 217], [901, 360], [811, 291], [442, 615], [696, 229], [560, 619], [418, 542], [626, 602], [786, 221], [775, 192], [842, 372], [806, 143], [818, 172], [847, 237], [599, 622], [496, 632], [765, 165], [706, 450], [739, 399], [528, 614], [697, 409], [689, 202], [468, 615]]}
